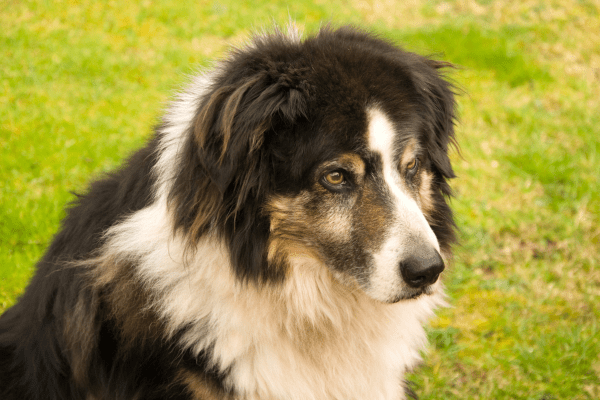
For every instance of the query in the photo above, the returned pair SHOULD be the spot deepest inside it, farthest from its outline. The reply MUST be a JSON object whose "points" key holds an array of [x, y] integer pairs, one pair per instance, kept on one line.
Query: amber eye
{"points": [[335, 178], [413, 165]]}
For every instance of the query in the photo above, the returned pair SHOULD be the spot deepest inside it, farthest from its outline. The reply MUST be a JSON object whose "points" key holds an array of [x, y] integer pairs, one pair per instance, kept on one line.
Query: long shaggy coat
{"points": [[279, 237]]}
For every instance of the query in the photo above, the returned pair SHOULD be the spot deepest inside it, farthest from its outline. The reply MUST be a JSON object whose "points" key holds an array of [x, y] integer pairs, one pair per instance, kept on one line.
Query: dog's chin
{"points": [[403, 294], [411, 294]]}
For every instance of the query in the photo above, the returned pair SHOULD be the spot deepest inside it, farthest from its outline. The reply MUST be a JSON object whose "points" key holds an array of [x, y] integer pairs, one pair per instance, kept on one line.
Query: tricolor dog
{"points": [[280, 237]]}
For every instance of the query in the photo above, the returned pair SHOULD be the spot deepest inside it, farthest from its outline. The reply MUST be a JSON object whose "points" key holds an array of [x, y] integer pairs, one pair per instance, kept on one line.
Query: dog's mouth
{"points": [[412, 293]]}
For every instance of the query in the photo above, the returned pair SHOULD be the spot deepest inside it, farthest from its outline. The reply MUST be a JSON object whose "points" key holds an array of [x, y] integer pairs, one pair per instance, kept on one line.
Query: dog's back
{"points": [[40, 348]]}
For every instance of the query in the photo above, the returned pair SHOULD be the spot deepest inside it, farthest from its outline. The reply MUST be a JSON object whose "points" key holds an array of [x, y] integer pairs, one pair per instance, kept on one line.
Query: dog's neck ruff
{"points": [[309, 338]]}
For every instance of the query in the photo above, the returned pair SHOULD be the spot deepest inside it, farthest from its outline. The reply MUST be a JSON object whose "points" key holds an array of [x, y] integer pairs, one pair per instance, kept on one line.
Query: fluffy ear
{"points": [[231, 125], [440, 105], [224, 173], [440, 116]]}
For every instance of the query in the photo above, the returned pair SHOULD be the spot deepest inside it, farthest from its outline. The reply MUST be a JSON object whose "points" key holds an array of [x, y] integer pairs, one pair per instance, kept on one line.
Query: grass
{"points": [[82, 83]]}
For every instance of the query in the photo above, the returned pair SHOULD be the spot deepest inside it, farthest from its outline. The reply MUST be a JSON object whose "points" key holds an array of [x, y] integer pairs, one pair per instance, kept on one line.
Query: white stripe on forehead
{"points": [[381, 135], [382, 140]]}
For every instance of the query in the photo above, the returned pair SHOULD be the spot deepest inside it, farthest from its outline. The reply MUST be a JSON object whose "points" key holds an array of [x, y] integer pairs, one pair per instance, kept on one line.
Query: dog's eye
{"points": [[335, 178], [412, 167], [337, 181]]}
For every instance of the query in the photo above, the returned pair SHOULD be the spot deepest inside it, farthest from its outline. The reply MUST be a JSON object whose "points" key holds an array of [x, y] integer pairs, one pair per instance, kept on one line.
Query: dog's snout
{"points": [[422, 268]]}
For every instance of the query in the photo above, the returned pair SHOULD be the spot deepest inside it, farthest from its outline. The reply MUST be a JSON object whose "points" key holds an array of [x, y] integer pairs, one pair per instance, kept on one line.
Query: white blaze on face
{"points": [[410, 227]]}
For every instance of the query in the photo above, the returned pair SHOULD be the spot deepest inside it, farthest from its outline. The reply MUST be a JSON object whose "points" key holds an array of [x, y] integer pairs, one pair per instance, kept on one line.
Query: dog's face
{"points": [[339, 157], [362, 209]]}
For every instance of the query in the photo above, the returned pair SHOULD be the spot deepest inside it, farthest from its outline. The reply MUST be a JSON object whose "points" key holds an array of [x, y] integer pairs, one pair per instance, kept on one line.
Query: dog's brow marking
{"points": [[409, 152], [381, 140], [381, 134]]}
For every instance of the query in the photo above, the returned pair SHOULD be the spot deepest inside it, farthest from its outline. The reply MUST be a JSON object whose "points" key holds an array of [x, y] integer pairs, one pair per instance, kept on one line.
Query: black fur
{"points": [[271, 115]]}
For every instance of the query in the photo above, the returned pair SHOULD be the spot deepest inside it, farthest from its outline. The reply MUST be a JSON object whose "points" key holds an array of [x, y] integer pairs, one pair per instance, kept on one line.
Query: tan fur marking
{"points": [[291, 220], [353, 162], [289, 231], [409, 153], [425, 194], [287, 211], [199, 387], [127, 298], [372, 217]]}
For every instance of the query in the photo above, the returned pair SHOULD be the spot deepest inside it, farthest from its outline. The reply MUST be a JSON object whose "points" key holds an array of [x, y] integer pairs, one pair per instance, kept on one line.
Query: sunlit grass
{"points": [[82, 84]]}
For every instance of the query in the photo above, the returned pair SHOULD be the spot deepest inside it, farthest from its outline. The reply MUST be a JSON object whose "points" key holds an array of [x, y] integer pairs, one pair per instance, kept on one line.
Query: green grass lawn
{"points": [[82, 83]]}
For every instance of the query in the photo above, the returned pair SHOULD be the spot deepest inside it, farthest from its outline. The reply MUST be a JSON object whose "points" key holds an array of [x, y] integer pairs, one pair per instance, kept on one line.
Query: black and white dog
{"points": [[280, 237]]}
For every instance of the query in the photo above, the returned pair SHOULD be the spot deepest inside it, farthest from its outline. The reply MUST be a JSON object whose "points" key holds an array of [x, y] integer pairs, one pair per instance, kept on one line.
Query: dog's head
{"points": [[332, 149]]}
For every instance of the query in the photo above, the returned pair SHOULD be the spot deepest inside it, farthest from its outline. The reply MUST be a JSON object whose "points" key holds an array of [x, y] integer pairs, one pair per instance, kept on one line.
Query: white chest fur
{"points": [[310, 338]]}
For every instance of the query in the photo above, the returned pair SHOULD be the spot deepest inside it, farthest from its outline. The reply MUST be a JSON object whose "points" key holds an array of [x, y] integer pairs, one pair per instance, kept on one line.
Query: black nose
{"points": [[422, 268]]}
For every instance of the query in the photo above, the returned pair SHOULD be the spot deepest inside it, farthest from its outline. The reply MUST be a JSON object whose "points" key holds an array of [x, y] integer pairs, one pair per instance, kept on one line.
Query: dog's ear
{"points": [[226, 167], [232, 122], [441, 114]]}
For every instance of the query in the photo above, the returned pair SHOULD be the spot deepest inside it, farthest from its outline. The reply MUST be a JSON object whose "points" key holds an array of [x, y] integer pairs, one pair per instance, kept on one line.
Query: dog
{"points": [[280, 236]]}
